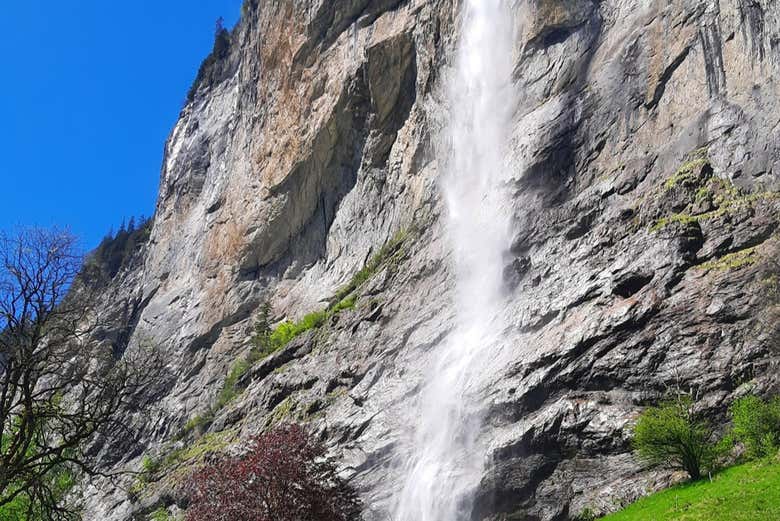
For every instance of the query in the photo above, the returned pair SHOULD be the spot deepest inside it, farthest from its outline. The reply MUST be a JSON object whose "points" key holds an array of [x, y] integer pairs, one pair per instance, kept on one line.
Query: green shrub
{"points": [[149, 468], [267, 340], [161, 514], [230, 388], [756, 425], [24, 507], [283, 333], [672, 435], [150, 465], [198, 423], [286, 331], [347, 303]]}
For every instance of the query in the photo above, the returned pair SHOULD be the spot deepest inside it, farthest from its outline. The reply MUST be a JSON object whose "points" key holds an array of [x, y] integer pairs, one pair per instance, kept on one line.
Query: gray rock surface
{"points": [[646, 168]]}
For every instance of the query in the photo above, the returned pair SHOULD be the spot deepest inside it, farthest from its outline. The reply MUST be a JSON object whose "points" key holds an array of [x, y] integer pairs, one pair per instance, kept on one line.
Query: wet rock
{"points": [[514, 272]]}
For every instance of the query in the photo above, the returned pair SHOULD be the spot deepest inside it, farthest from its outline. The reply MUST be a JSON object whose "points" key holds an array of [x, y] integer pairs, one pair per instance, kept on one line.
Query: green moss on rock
{"points": [[689, 170], [678, 218], [726, 206], [281, 412], [732, 261]]}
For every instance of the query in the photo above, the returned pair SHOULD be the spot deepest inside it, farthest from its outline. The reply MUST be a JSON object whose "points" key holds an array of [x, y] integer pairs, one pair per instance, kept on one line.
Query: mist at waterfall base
{"points": [[446, 463]]}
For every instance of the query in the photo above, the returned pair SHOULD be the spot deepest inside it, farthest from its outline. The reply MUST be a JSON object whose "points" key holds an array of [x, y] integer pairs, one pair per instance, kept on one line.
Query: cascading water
{"points": [[446, 462]]}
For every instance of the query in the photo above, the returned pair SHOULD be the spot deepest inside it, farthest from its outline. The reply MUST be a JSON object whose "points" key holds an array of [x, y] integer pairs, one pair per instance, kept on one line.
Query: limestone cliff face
{"points": [[646, 158]]}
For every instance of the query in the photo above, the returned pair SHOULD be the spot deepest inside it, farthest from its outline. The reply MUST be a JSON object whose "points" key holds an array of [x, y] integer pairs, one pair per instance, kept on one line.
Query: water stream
{"points": [[447, 461]]}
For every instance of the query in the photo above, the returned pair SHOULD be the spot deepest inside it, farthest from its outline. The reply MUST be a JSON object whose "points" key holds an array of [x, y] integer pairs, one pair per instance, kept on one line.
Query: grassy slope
{"points": [[749, 492]]}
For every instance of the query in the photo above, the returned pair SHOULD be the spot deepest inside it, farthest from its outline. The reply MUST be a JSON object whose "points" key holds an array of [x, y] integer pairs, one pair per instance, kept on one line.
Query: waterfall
{"points": [[446, 462]]}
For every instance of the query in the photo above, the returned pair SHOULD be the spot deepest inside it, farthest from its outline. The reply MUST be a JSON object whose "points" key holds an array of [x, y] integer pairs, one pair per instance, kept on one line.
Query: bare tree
{"points": [[59, 386]]}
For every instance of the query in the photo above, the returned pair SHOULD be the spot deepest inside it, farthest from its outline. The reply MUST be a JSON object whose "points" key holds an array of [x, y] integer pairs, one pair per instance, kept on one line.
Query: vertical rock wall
{"points": [[646, 169]]}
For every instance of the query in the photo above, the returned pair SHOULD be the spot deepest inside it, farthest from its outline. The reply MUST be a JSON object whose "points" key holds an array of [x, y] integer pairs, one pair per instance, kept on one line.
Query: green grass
{"points": [[230, 388], [281, 412], [150, 465], [155, 468], [347, 303], [749, 492], [207, 444], [197, 423], [286, 331]]}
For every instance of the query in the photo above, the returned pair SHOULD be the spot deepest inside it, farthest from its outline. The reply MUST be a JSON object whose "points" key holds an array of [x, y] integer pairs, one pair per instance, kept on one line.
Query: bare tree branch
{"points": [[60, 386]]}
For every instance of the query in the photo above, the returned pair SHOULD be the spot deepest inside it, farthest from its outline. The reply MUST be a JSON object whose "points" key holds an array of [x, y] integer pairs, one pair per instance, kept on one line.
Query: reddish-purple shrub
{"points": [[284, 476]]}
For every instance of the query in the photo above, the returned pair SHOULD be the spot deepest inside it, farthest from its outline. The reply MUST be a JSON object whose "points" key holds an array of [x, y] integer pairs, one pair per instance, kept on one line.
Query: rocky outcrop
{"points": [[645, 177]]}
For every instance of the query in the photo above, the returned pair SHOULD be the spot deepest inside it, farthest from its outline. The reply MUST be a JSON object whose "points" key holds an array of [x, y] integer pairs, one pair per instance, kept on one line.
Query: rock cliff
{"points": [[646, 160]]}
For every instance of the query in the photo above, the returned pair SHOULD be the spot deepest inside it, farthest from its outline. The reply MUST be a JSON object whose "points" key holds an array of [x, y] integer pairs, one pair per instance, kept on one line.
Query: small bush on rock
{"points": [[150, 465], [756, 425], [161, 514], [284, 476], [672, 435], [287, 330]]}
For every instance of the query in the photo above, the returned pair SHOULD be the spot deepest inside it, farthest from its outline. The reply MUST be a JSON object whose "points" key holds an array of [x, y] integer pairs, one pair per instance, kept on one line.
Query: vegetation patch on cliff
{"points": [[689, 171], [388, 252], [285, 332], [697, 195], [732, 261], [161, 514], [725, 205], [673, 219], [154, 468], [266, 340], [281, 412]]}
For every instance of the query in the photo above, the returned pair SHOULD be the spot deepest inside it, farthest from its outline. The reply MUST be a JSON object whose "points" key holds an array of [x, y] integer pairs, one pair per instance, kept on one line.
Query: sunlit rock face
{"points": [[643, 160]]}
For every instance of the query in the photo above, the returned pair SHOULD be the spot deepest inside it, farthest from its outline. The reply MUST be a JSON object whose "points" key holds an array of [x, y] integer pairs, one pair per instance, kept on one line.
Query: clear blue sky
{"points": [[89, 90]]}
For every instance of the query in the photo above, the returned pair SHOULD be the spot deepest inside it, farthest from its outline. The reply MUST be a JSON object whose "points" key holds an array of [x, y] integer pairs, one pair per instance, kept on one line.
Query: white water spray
{"points": [[447, 462]]}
